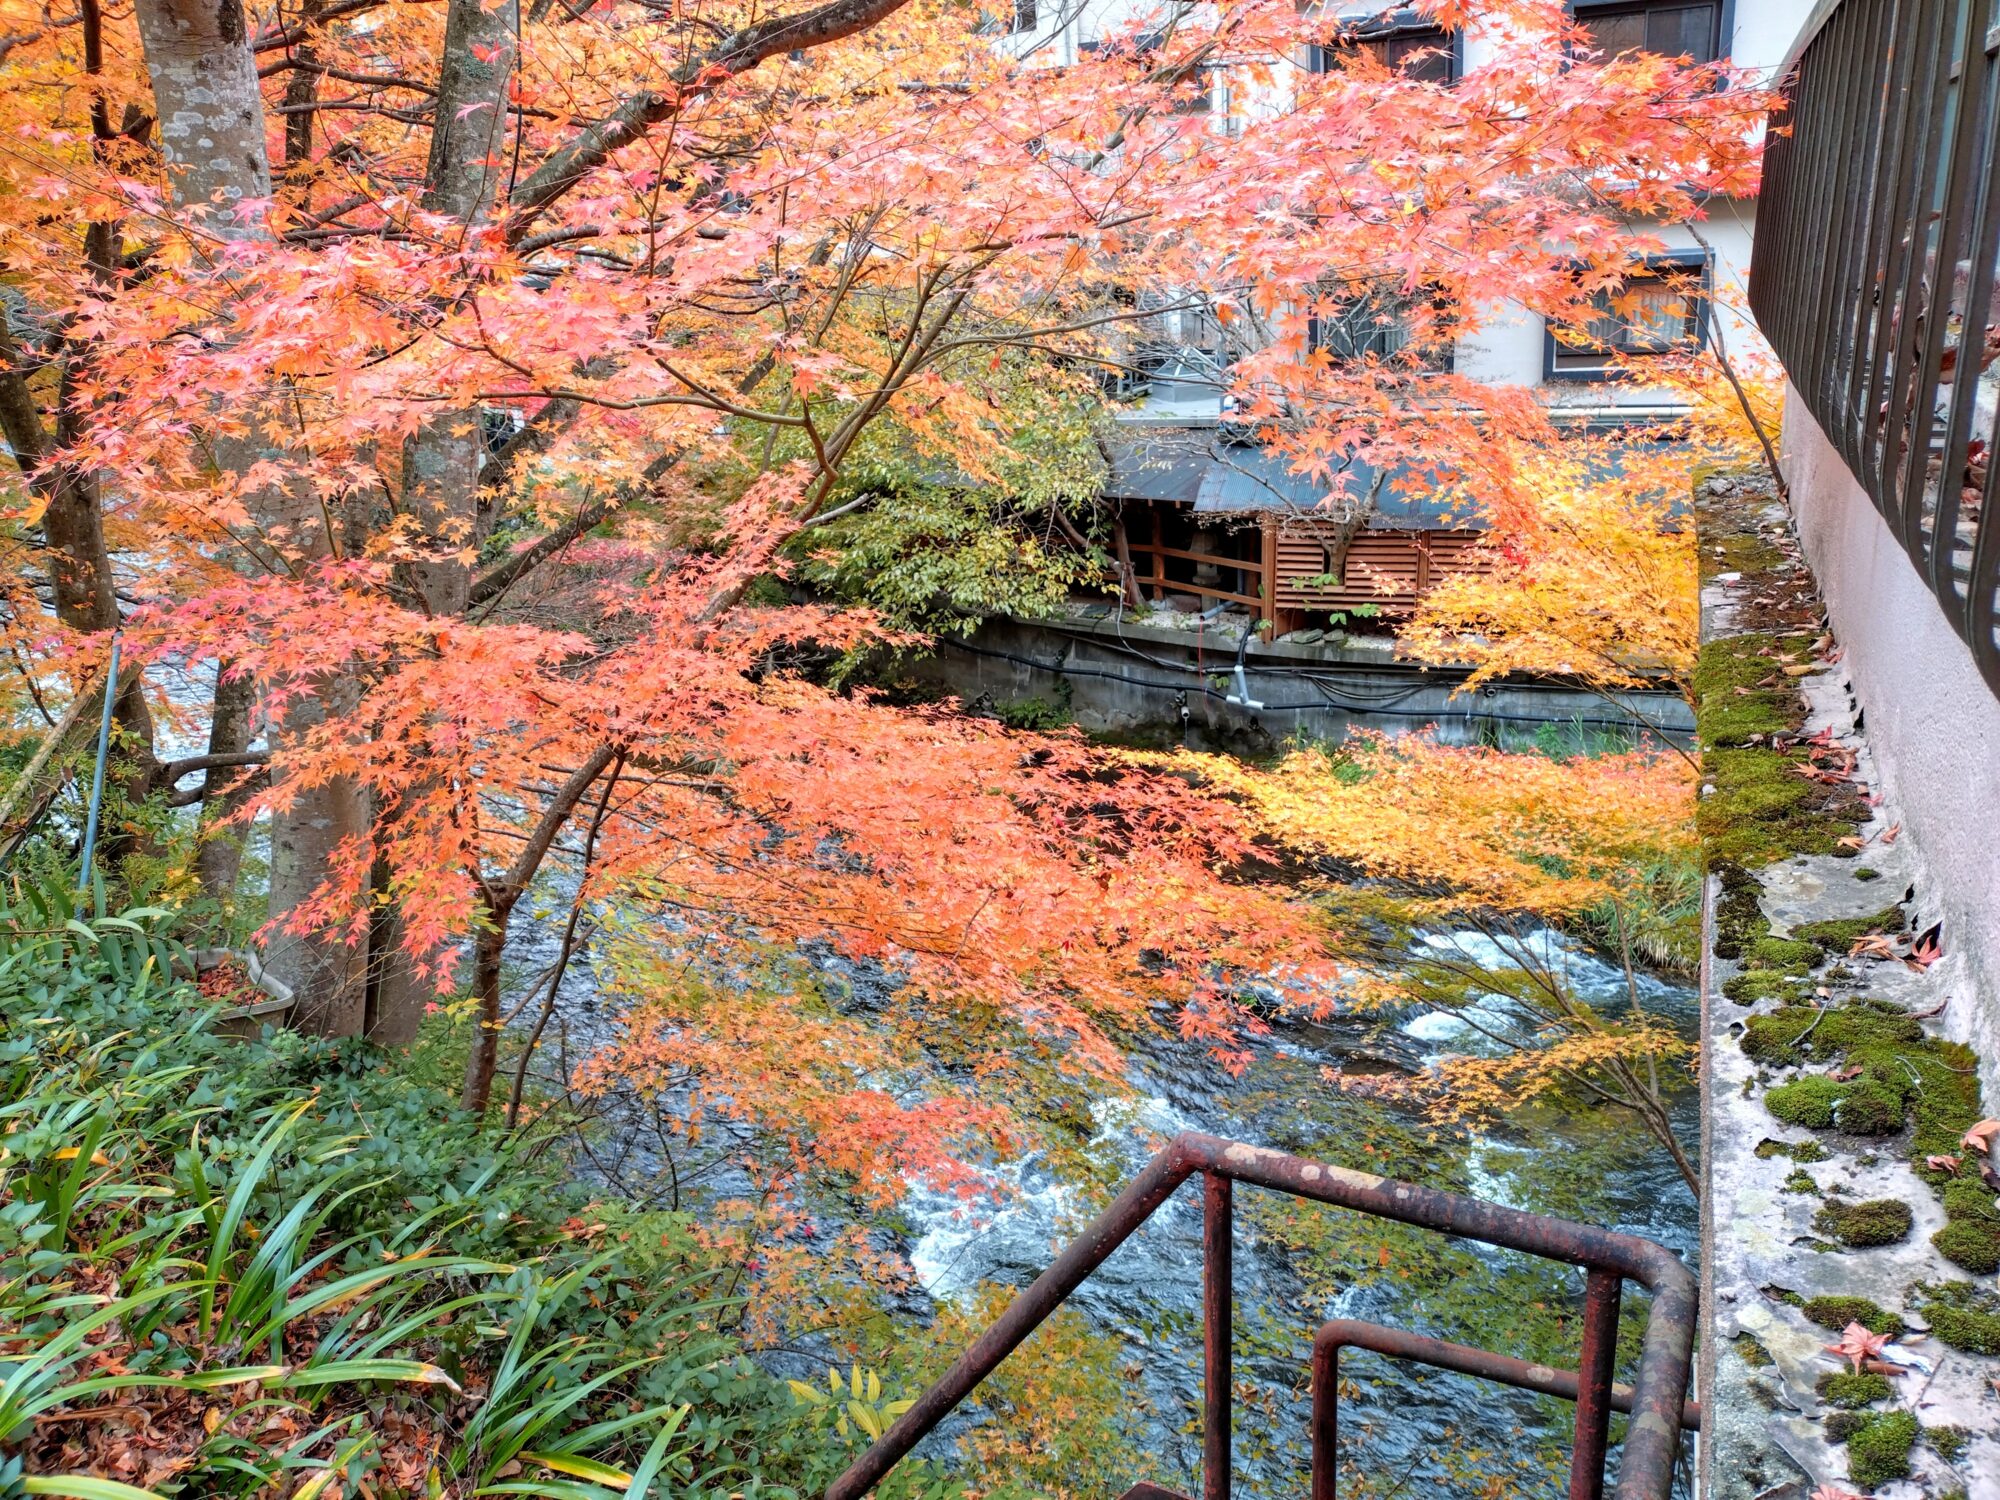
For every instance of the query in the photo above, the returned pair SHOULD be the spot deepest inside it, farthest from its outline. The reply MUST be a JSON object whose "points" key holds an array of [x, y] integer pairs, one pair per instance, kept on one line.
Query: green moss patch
{"points": [[1801, 1181], [1739, 915], [1808, 1101], [1761, 809], [1788, 955], [1845, 1389], [1948, 1443], [1875, 1221], [1880, 1451], [1752, 1353], [1837, 1312], [1756, 986], [1970, 1245], [1962, 1316], [1838, 937]]}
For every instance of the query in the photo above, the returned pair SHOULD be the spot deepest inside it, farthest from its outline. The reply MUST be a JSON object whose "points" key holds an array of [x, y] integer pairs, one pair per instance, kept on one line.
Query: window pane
{"points": [[1682, 31], [1621, 32], [1422, 55]]}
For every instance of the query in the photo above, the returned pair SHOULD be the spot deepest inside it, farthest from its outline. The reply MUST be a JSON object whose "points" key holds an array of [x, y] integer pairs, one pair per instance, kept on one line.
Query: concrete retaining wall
{"points": [[1115, 676]]}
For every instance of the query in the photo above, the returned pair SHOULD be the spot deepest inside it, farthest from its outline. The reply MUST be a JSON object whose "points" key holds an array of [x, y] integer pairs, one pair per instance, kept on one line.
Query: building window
{"points": [[1417, 50], [1658, 309], [1671, 28], [1386, 326], [1025, 18]]}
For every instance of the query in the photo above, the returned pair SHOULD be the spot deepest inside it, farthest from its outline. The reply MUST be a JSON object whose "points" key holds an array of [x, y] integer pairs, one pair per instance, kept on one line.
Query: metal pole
{"points": [[1325, 1415], [97, 777], [1217, 1294], [1593, 1383]]}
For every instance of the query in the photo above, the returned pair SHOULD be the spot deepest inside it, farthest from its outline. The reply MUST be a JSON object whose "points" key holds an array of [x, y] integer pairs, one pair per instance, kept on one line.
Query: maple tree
{"points": [[334, 335]]}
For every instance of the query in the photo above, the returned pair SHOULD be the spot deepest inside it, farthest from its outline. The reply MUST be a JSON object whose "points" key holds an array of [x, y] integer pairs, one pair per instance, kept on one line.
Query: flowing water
{"points": [[1591, 1165]]}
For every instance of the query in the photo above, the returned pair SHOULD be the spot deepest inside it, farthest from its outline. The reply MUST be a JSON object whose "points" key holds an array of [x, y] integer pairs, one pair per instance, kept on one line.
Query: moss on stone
{"points": [[1970, 1244], [1842, 1425], [1840, 935], [1762, 810], [1866, 873], [1846, 1389], [1739, 915], [1874, 1221], [1741, 691], [1870, 1108], [1808, 1101], [1837, 1312], [1752, 1353], [1802, 1034], [1787, 955], [1948, 1443], [1968, 1198], [1963, 1316], [1801, 1181], [1880, 1451], [1755, 986]]}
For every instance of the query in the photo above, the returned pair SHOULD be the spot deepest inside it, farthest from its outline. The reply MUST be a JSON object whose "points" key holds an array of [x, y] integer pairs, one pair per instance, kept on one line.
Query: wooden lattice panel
{"points": [[1389, 569]]}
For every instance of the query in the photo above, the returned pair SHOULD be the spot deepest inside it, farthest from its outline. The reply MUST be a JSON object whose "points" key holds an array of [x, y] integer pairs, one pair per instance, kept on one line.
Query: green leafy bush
{"points": [[307, 1266]]}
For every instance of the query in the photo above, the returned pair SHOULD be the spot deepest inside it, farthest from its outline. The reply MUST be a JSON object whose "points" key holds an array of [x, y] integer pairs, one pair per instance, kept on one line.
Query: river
{"points": [[1403, 1431]]}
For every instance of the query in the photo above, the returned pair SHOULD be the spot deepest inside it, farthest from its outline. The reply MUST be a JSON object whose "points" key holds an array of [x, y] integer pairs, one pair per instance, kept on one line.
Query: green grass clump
{"points": [[1963, 1316], [1844, 1388], [1840, 935], [1875, 1221], [1880, 1451], [1808, 1101], [294, 1224], [1837, 1312]]}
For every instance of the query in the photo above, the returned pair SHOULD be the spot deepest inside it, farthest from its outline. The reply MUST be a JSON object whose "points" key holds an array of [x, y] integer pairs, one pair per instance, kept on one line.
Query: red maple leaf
{"points": [[1858, 1344]]}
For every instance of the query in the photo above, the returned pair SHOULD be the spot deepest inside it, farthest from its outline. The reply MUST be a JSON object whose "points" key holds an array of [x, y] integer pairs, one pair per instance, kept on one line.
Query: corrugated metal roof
{"points": [[1200, 466]]}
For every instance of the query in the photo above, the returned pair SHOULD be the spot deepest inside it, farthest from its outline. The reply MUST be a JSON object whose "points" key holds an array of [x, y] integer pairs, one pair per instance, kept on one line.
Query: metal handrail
{"points": [[1652, 1442], [1398, 1343], [1873, 278]]}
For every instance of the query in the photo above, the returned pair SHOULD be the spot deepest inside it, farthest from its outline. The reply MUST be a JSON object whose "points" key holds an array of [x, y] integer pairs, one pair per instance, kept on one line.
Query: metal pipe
{"points": [[1218, 1290], [97, 777], [1652, 1443], [1594, 1370], [1397, 1343]]}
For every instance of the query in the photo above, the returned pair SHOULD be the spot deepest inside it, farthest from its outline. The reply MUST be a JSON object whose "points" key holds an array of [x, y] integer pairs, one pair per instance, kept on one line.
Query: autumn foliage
{"points": [[454, 413]]}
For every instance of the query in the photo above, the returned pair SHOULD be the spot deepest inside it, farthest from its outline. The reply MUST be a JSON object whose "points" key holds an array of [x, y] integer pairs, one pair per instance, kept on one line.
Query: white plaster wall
{"points": [[1931, 721]]}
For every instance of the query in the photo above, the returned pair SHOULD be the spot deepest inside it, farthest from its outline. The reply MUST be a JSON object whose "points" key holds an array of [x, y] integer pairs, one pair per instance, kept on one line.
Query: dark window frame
{"points": [[1401, 25], [1720, 36], [1695, 327], [1442, 360]]}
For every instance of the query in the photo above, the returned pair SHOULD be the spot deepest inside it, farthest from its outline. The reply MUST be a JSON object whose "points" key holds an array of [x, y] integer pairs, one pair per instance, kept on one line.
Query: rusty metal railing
{"points": [[1652, 1442], [1873, 276]]}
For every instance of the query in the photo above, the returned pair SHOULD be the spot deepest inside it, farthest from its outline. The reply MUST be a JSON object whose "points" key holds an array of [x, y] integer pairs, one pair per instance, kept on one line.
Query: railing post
{"points": [[1325, 1416], [1594, 1369], [1217, 1295]]}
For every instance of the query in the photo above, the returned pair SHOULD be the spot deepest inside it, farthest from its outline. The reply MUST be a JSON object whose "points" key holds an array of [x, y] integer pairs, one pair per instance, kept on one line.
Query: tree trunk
{"points": [[218, 856], [211, 116], [489, 942]]}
